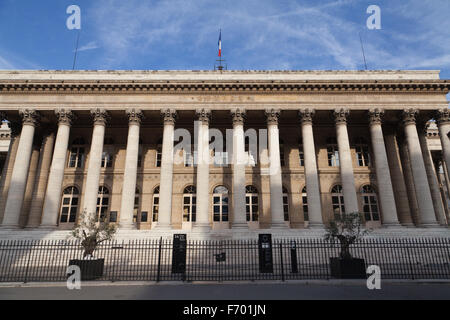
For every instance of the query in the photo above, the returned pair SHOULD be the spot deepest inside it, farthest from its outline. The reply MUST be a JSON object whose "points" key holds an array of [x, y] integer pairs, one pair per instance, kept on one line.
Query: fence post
{"points": [[159, 260], [28, 261], [281, 258], [409, 258]]}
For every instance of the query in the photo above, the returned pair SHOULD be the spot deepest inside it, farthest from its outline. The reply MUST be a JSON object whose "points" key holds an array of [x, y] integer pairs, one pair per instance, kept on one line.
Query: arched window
{"points": [[106, 160], [136, 205], [337, 199], [305, 204], [69, 204], [250, 152], [77, 153], [285, 204], [102, 202], [370, 203], [300, 153], [362, 152], [189, 203], [155, 206], [282, 161], [220, 204], [158, 153], [332, 152], [251, 203]]}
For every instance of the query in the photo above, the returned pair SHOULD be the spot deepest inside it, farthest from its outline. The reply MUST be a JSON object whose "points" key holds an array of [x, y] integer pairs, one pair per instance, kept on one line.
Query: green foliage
{"points": [[347, 228], [92, 232]]}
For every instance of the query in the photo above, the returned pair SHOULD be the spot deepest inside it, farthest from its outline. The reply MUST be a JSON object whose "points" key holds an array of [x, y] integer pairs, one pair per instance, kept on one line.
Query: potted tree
{"points": [[346, 228], [91, 233]]}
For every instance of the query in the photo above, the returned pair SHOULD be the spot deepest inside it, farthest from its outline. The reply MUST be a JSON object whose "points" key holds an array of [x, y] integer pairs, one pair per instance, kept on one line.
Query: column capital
{"points": [[272, 116], [30, 117], [340, 115], [203, 115], [409, 116], [135, 116], [65, 116], [376, 116], [238, 116], [306, 115], [169, 116], [100, 116], [442, 116]]}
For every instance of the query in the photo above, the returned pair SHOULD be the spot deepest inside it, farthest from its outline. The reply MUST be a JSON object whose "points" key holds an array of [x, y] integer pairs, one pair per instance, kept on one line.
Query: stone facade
{"points": [[101, 141]]}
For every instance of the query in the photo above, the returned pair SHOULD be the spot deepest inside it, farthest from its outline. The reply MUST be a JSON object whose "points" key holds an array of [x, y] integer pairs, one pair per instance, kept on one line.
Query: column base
{"points": [[239, 225], [316, 225], [47, 227], [394, 225], [127, 226], [408, 225], [430, 225], [10, 227], [279, 225], [201, 228], [162, 226]]}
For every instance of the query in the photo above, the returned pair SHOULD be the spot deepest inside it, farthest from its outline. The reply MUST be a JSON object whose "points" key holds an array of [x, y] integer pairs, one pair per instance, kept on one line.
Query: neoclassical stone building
{"points": [[103, 142]]}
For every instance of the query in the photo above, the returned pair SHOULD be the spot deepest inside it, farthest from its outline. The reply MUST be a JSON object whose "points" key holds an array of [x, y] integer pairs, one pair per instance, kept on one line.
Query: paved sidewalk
{"points": [[321, 289]]}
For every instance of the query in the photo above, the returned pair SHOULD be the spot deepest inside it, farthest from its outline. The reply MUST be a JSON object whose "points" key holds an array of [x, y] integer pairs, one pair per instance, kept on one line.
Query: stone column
{"points": [[345, 161], [275, 178], [424, 200], [52, 200], [203, 161], [385, 190], [16, 192], [31, 179], [100, 117], [166, 176], [9, 165], [431, 174], [443, 121], [37, 200], [409, 181], [398, 180], [443, 184], [239, 163], [311, 176], [130, 173]]}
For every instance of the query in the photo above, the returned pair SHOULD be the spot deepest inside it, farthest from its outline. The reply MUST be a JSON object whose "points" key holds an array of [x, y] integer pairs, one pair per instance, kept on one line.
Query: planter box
{"points": [[90, 269], [348, 268]]}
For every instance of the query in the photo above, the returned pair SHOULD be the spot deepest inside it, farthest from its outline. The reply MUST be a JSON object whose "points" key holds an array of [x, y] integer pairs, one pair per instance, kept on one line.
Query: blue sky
{"points": [[256, 34]]}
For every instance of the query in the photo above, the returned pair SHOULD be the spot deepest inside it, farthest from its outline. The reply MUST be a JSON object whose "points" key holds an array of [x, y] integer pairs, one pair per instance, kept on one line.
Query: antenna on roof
{"points": [[362, 49], [76, 50]]}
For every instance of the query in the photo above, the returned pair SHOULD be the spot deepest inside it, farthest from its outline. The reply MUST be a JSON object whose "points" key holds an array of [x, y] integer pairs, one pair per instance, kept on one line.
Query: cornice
{"points": [[195, 86]]}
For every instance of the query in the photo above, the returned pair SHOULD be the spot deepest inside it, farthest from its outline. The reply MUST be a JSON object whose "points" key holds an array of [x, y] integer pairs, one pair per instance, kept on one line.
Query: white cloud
{"points": [[271, 35], [89, 46]]}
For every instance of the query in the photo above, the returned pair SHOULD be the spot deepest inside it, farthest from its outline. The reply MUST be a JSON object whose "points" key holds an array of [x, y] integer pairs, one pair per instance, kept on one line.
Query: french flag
{"points": [[219, 43]]}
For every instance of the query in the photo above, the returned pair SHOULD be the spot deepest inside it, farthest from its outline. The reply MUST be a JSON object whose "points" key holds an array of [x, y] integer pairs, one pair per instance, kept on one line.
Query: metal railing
{"points": [[222, 260]]}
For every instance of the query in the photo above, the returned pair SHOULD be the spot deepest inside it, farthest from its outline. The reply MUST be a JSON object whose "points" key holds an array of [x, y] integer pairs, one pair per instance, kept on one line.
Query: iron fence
{"points": [[222, 260]]}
